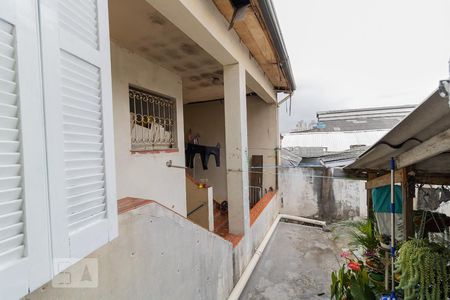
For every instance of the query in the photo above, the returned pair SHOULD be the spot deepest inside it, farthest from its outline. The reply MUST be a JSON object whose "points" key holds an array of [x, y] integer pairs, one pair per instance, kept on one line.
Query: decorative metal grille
{"points": [[153, 121]]}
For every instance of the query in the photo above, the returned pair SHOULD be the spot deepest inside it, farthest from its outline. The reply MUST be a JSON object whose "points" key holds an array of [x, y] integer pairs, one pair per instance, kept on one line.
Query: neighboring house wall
{"points": [[332, 141], [262, 131], [311, 192], [158, 255], [145, 175]]}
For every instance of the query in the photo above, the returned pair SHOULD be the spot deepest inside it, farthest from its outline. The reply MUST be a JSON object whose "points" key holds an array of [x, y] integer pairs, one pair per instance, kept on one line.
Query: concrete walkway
{"points": [[296, 264]]}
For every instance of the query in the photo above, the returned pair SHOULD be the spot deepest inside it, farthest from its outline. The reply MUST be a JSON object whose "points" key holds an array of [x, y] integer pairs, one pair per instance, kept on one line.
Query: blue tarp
{"points": [[381, 198]]}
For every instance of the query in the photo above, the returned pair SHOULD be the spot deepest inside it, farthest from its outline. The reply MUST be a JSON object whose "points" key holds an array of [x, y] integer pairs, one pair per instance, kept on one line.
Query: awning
{"points": [[429, 119]]}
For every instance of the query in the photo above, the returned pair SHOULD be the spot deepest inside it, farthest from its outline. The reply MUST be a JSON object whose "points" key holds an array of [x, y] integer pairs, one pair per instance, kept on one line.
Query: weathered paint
{"points": [[236, 144], [311, 192], [206, 26], [158, 255]]}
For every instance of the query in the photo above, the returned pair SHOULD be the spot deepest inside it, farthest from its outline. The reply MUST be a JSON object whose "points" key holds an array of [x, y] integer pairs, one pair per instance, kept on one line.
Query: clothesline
{"points": [[292, 174]]}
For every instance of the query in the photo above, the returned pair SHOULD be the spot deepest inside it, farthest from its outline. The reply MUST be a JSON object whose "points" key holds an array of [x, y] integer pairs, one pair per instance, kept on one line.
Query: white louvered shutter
{"points": [[78, 105], [24, 233]]}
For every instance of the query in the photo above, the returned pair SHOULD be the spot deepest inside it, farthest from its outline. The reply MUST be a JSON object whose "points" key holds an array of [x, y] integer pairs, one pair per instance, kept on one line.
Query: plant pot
{"points": [[377, 278]]}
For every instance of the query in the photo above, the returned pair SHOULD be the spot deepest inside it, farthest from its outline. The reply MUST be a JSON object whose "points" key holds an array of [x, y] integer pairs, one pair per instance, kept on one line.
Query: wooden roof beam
{"points": [[436, 145], [433, 179], [384, 180]]}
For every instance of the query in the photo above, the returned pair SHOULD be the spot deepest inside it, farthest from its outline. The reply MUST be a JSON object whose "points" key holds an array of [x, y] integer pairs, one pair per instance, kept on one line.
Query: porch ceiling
{"points": [[137, 26]]}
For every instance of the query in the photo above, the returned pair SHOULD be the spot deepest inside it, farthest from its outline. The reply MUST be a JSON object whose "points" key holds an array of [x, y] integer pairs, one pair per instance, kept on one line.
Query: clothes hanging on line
{"points": [[204, 151]]}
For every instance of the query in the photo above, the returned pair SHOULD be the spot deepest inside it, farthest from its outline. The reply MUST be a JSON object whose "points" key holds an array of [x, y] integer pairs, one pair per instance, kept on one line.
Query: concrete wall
{"points": [[145, 175], [262, 130], [244, 251], [158, 255], [309, 192], [207, 120]]}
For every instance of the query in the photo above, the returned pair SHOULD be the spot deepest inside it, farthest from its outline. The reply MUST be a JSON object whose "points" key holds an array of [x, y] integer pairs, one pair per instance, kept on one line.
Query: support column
{"points": [[408, 191], [370, 213], [236, 148]]}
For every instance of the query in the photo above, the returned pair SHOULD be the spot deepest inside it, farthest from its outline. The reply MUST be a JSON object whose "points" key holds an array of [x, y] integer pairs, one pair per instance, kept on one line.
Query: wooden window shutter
{"points": [[78, 109], [24, 233]]}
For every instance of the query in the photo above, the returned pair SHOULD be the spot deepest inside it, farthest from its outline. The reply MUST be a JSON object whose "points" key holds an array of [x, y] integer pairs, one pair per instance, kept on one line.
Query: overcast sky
{"points": [[360, 53]]}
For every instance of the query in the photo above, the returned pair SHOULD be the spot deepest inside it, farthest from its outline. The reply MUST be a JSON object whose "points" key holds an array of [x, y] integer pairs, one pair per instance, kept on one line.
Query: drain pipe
{"points": [[242, 282], [303, 220]]}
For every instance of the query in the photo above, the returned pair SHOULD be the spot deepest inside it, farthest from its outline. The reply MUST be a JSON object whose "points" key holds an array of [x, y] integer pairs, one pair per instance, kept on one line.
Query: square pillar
{"points": [[236, 148]]}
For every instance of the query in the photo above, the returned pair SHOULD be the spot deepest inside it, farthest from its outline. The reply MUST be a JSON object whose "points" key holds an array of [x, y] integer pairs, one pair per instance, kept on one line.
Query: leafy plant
{"points": [[340, 284], [423, 268], [351, 282], [363, 234], [360, 287]]}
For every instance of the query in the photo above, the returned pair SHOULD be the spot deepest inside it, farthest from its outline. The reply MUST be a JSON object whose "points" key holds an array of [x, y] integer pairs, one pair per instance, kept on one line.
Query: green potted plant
{"points": [[423, 268], [351, 281], [363, 234]]}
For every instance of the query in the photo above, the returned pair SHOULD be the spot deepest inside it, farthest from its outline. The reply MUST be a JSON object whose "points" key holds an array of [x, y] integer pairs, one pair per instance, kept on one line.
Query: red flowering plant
{"points": [[351, 281], [352, 263], [354, 266]]}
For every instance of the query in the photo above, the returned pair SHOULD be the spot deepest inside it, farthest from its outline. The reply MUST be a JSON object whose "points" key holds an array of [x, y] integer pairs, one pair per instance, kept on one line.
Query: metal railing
{"points": [[153, 121], [195, 209], [255, 194]]}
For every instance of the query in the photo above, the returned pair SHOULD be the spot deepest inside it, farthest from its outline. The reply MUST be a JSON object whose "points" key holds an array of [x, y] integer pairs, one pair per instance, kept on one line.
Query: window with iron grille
{"points": [[153, 120]]}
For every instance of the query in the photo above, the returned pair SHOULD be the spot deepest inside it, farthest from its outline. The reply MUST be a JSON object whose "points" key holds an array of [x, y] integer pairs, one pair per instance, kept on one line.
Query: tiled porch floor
{"points": [[221, 219]]}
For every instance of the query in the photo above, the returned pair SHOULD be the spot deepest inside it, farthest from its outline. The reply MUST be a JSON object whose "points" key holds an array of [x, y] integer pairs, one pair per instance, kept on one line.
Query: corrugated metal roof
{"points": [[333, 141], [358, 119], [380, 111], [358, 124], [342, 159], [427, 120], [362, 119], [290, 157]]}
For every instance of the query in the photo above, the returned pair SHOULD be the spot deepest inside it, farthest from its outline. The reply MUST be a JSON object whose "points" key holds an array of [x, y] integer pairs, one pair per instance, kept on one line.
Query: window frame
{"points": [[152, 147]]}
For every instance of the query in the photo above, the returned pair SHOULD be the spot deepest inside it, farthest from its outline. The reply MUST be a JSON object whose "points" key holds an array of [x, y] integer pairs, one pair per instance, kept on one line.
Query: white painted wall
{"points": [[158, 255], [301, 191], [200, 204], [333, 141], [207, 120], [145, 175], [263, 136]]}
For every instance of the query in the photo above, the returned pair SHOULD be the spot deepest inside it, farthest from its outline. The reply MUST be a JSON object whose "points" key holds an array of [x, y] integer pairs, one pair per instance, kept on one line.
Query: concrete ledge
{"points": [[159, 254], [259, 207], [129, 203]]}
